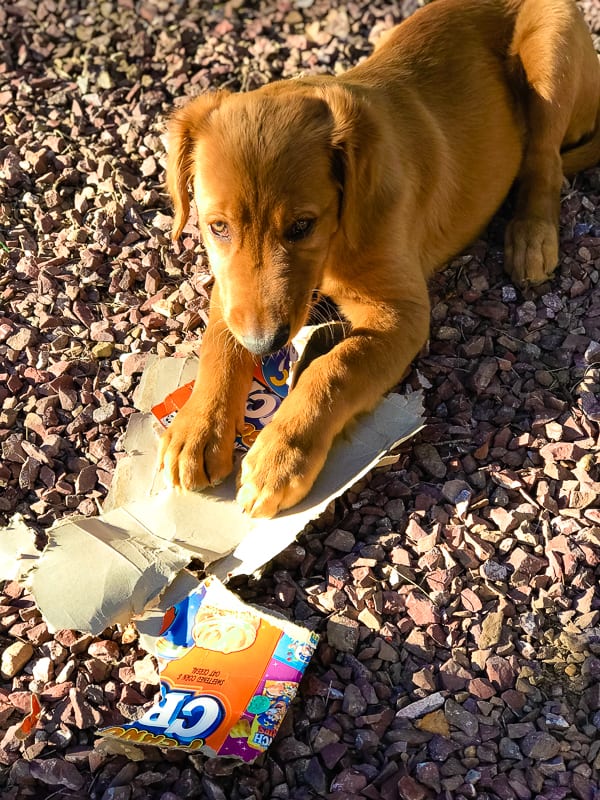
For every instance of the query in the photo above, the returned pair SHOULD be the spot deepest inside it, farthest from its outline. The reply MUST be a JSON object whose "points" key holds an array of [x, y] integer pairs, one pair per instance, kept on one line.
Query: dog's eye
{"points": [[300, 229], [219, 229]]}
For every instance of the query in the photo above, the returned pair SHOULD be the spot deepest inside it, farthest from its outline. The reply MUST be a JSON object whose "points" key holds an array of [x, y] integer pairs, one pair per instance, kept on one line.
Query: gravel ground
{"points": [[455, 591]]}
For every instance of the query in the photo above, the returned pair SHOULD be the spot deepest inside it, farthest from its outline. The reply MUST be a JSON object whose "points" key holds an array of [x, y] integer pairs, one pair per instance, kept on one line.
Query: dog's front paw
{"points": [[531, 250], [278, 471], [196, 450]]}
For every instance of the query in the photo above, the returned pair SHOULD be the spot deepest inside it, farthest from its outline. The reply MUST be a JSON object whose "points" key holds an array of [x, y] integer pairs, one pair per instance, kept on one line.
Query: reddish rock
{"points": [[105, 651], [74, 641], [453, 676], [503, 519], [84, 714], [561, 451], [134, 363], [540, 745], [21, 701], [409, 789], [524, 563], [420, 609], [332, 753], [500, 673], [470, 601], [56, 772], [348, 780], [481, 689], [428, 774], [39, 634], [354, 702]]}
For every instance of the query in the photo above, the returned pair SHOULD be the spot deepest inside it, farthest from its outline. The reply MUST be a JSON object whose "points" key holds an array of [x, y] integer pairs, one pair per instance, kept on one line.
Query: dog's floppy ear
{"points": [[183, 129], [357, 147]]}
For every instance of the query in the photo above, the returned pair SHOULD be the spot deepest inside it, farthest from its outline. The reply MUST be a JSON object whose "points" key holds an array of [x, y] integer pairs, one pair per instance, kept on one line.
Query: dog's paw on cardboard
{"points": [[277, 474], [194, 456]]}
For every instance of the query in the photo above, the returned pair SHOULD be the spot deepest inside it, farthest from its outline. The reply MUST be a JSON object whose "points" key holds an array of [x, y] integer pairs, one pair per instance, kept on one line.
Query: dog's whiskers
{"points": [[319, 317]]}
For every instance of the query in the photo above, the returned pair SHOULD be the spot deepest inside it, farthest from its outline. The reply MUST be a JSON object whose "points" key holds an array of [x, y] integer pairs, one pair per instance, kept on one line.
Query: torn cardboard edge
{"points": [[109, 569]]}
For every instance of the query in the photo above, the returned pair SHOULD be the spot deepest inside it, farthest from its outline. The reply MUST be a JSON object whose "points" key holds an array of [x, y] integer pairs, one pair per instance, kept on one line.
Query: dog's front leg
{"points": [[197, 448], [289, 453]]}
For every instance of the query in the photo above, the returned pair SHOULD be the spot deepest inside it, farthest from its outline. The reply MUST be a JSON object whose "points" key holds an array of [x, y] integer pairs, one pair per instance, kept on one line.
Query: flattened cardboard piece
{"points": [[17, 549], [228, 672], [122, 561], [97, 571], [394, 420], [251, 542]]}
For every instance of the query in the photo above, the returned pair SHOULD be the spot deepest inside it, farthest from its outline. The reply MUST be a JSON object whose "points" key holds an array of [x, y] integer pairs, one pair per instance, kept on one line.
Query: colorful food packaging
{"points": [[270, 384], [228, 673]]}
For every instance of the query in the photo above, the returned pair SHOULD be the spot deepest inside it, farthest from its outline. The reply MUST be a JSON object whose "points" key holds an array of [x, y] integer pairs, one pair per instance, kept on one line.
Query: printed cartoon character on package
{"points": [[228, 673], [270, 384]]}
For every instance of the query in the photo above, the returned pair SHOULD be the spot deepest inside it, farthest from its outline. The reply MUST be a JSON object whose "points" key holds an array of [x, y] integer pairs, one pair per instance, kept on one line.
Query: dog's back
{"points": [[525, 42], [469, 82]]}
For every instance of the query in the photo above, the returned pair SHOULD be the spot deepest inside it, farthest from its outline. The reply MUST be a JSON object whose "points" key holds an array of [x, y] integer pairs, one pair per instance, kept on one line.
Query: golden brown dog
{"points": [[361, 186]]}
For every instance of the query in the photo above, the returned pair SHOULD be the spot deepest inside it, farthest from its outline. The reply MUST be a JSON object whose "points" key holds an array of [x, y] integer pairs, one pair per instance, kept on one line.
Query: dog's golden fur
{"points": [[361, 186]]}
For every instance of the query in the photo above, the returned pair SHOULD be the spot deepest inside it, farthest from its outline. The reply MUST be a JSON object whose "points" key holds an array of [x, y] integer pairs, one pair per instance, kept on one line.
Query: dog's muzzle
{"points": [[267, 343]]}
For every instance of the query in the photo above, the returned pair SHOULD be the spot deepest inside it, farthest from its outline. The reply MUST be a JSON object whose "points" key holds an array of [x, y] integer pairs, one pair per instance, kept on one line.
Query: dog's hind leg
{"points": [[562, 73]]}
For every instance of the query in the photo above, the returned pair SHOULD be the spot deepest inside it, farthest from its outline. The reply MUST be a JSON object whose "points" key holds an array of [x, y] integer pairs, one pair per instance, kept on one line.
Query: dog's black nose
{"points": [[268, 343]]}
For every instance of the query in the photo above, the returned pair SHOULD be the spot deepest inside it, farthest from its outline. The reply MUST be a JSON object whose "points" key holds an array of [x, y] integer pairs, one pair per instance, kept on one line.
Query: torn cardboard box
{"points": [[98, 571]]}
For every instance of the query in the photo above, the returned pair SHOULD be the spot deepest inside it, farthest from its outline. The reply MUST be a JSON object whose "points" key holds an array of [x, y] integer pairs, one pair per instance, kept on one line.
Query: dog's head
{"points": [[275, 176]]}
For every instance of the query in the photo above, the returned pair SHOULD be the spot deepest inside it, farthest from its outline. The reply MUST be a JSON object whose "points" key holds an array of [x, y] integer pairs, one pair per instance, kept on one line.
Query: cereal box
{"points": [[228, 673], [270, 384]]}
